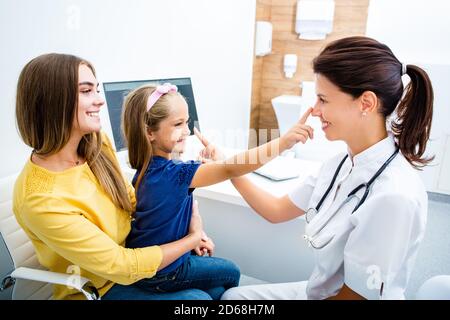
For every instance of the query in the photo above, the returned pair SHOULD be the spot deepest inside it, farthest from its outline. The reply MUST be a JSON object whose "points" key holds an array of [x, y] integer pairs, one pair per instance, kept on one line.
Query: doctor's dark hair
{"points": [[359, 64], [136, 121], [46, 108]]}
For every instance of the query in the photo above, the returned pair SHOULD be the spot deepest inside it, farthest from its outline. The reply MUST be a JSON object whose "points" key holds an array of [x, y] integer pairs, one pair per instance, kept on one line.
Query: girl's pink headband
{"points": [[160, 90]]}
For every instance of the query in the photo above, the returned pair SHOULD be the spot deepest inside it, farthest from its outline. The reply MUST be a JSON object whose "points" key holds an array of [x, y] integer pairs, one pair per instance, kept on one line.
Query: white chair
{"points": [[435, 288], [21, 275]]}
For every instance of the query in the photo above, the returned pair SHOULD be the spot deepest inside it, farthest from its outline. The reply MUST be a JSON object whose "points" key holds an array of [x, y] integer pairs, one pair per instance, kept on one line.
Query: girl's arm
{"points": [[246, 162], [271, 208]]}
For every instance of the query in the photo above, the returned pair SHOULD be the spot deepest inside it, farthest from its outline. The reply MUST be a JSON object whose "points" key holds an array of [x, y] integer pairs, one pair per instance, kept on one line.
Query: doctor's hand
{"points": [[300, 132], [211, 152]]}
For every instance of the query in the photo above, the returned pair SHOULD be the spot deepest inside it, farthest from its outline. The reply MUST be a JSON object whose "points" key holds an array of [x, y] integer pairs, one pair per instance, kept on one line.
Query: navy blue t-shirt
{"points": [[164, 205]]}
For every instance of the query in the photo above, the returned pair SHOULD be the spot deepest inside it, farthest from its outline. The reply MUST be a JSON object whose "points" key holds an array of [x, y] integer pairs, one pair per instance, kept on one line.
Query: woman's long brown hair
{"points": [[46, 108]]}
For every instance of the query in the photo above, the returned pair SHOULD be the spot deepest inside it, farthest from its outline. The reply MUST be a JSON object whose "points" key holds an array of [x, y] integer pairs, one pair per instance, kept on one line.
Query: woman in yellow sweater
{"points": [[71, 198]]}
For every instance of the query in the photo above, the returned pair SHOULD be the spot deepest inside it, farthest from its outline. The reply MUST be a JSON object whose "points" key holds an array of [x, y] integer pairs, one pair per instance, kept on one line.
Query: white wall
{"points": [[418, 32], [209, 40], [415, 30]]}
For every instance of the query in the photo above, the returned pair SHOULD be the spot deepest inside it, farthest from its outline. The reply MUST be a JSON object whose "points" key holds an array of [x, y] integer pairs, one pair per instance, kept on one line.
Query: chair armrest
{"points": [[78, 282]]}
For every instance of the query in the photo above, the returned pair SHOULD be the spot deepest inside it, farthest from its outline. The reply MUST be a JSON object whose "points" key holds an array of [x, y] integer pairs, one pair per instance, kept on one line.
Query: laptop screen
{"points": [[115, 93]]}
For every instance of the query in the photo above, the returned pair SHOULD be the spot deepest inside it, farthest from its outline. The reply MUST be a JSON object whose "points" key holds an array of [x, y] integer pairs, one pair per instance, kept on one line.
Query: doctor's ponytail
{"points": [[414, 114], [358, 64]]}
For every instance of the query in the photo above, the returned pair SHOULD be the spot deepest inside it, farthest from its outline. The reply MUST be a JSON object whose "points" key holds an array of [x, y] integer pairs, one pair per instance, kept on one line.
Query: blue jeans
{"points": [[132, 292], [210, 274], [199, 278]]}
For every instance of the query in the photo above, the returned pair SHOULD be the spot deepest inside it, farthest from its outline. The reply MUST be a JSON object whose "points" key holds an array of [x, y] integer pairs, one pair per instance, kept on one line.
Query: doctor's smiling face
{"points": [[339, 112]]}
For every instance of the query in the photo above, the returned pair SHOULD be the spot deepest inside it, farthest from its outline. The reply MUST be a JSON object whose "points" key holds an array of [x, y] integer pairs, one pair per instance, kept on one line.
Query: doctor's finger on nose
{"points": [[301, 123], [305, 116]]}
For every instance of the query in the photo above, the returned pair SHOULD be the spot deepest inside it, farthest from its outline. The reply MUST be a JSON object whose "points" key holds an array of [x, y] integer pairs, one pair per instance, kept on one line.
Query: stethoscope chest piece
{"points": [[310, 214]]}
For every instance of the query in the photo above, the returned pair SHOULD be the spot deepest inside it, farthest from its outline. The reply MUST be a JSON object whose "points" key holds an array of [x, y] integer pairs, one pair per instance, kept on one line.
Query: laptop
{"points": [[115, 93]]}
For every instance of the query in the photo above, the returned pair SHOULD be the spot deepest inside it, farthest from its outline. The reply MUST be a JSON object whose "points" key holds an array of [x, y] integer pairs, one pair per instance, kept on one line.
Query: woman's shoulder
{"points": [[106, 142], [37, 182], [108, 148], [34, 190], [34, 179], [401, 183], [402, 178]]}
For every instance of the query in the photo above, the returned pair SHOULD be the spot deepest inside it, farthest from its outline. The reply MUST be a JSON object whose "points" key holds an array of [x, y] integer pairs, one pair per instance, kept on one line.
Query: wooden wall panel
{"points": [[263, 8], [350, 18]]}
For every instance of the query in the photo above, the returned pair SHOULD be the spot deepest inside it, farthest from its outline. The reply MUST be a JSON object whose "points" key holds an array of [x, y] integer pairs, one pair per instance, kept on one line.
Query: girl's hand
{"points": [[210, 152], [300, 132]]}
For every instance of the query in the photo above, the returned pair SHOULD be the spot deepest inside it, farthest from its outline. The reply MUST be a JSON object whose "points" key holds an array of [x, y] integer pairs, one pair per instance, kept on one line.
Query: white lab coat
{"points": [[373, 250]]}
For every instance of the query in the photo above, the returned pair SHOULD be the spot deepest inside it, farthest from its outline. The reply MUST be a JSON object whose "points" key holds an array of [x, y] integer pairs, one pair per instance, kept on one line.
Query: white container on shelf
{"points": [[263, 38]]}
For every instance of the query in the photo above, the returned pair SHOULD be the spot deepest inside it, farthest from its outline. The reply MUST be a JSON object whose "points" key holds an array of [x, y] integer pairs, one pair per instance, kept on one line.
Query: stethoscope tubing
{"points": [[352, 194], [367, 185]]}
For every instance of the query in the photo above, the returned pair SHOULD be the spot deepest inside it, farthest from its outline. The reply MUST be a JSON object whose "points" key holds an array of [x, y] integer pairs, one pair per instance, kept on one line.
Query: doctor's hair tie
{"points": [[403, 69], [159, 91]]}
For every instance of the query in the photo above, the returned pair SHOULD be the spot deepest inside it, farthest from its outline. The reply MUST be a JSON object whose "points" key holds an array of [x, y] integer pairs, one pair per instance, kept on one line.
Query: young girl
{"points": [[155, 123]]}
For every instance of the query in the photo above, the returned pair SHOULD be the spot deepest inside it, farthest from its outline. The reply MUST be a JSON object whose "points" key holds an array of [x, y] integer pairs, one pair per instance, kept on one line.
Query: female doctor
{"points": [[366, 210]]}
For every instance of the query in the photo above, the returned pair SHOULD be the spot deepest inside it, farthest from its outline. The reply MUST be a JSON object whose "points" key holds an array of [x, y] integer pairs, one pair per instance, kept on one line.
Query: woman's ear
{"points": [[369, 102]]}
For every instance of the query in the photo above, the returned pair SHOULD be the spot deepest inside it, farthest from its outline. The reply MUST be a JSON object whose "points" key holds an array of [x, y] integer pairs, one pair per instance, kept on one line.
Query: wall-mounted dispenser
{"points": [[290, 65], [263, 38], [314, 19]]}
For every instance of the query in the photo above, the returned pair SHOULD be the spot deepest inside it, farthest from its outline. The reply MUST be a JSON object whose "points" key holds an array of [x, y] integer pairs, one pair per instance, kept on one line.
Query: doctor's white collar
{"points": [[382, 148]]}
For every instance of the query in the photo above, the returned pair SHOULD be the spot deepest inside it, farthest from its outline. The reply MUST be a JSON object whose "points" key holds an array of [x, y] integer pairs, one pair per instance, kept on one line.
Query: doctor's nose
{"points": [[316, 112]]}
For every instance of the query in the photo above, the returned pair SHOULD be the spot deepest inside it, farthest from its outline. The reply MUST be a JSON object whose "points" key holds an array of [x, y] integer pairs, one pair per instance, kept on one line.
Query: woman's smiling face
{"points": [[339, 112], [89, 102]]}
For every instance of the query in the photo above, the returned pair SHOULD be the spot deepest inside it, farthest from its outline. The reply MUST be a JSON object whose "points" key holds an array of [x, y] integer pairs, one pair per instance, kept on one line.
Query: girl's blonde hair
{"points": [[137, 122], [46, 107]]}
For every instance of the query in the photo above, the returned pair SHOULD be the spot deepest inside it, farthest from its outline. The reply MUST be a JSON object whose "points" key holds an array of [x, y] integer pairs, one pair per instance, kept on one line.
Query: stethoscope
{"points": [[312, 212]]}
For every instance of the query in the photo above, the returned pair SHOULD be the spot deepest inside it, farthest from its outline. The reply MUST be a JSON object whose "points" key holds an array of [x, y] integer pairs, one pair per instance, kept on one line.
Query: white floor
{"points": [[247, 280], [434, 255]]}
